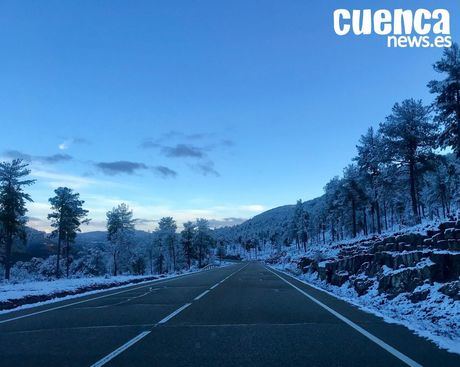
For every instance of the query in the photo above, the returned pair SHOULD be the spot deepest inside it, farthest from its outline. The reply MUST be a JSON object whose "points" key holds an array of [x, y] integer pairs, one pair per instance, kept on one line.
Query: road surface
{"points": [[241, 315]]}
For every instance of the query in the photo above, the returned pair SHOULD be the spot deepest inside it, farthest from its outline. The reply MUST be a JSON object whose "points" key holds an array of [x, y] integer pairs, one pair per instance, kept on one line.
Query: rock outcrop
{"points": [[398, 263]]}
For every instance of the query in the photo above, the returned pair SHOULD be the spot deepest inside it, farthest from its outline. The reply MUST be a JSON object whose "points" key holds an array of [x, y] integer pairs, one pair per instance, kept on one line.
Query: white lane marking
{"points": [[121, 349], [171, 315], [159, 281], [127, 326], [134, 340], [167, 318], [201, 295], [379, 342], [223, 280], [124, 301]]}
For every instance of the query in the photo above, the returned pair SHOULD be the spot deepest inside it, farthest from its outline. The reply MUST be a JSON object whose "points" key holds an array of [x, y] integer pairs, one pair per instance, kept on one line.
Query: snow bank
{"points": [[436, 318], [21, 295]]}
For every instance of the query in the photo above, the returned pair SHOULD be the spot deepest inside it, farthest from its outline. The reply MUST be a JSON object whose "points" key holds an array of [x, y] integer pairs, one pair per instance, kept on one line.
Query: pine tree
{"points": [[370, 160], [354, 193], [409, 138], [13, 205], [167, 232], [187, 236], [67, 216], [120, 230], [300, 224], [447, 102], [203, 239]]}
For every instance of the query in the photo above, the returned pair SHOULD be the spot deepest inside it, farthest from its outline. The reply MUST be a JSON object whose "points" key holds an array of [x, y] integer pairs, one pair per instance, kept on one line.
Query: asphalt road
{"points": [[241, 315]]}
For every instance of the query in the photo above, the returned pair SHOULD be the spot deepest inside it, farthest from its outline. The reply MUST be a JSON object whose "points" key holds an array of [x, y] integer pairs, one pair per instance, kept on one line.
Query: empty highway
{"points": [[241, 315]]}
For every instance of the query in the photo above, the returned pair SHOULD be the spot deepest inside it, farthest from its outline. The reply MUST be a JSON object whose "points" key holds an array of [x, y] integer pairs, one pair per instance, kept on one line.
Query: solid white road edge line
{"points": [[119, 350], [379, 342], [159, 281]]}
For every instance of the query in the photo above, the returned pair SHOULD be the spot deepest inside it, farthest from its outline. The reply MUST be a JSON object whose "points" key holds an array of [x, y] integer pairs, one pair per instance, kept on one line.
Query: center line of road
{"points": [[134, 340], [121, 349], [379, 342], [201, 295], [171, 315], [129, 289]]}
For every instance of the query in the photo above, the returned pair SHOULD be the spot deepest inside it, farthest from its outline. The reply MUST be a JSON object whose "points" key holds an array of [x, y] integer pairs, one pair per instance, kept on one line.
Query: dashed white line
{"points": [[171, 315], [125, 346], [201, 295], [121, 349], [159, 281], [402, 357]]}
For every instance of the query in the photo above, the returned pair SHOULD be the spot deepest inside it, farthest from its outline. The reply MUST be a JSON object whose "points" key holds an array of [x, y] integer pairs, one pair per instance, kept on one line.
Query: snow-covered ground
{"points": [[437, 318], [20, 291]]}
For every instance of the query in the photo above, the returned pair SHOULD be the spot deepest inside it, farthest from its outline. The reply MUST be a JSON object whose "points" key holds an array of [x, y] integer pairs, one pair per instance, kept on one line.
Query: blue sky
{"points": [[216, 109]]}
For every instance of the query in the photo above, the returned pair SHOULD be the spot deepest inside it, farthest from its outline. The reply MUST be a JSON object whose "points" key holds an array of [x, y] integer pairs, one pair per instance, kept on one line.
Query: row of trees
{"points": [[404, 171], [165, 250]]}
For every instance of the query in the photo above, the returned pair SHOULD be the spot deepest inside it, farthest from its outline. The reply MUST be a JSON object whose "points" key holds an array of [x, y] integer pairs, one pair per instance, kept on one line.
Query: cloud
{"points": [[167, 146], [184, 139], [253, 208], [56, 158], [55, 179], [227, 143], [16, 154], [164, 171], [70, 141], [143, 221], [117, 167], [171, 136], [225, 222], [127, 167], [183, 150], [205, 168], [50, 159], [147, 144]]}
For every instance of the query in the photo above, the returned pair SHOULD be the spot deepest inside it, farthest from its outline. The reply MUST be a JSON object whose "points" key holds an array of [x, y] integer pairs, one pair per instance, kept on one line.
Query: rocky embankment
{"points": [[399, 263], [411, 277]]}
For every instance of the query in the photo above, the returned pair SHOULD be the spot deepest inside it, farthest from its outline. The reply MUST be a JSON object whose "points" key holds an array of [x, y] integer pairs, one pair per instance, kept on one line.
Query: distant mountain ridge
{"points": [[273, 220]]}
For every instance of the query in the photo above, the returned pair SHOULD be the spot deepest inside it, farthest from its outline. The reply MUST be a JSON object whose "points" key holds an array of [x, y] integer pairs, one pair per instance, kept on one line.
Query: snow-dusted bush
{"points": [[90, 263], [48, 267], [28, 270], [138, 265]]}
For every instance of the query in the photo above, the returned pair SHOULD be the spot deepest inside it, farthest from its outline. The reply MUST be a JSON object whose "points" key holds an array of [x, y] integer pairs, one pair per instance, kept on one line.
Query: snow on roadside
{"points": [[436, 318], [18, 291]]}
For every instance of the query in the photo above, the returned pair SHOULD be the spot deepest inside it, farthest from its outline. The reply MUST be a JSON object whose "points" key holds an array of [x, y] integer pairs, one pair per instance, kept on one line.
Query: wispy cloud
{"points": [[71, 141], [183, 150], [225, 222], [118, 167], [148, 213], [130, 168], [173, 135], [56, 179], [256, 208], [164, 171], [174, 144], [227, 142], [50, 159], [205, 168]]}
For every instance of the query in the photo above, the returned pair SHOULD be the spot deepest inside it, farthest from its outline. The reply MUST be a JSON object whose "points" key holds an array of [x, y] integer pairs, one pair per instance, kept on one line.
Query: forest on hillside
{"points": [[405, 171]]}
